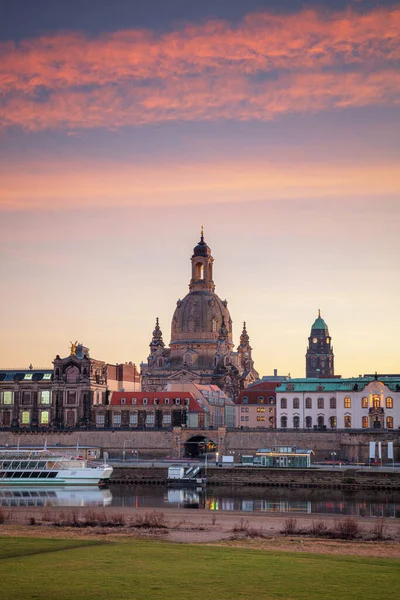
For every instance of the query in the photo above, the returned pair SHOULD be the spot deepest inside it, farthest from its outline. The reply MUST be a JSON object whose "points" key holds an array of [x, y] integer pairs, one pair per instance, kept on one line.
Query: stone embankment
{"points": [[346, 479]]}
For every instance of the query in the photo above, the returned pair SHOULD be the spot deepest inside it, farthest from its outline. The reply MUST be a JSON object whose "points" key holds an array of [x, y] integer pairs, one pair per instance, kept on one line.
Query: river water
{"points": [[246, 500]]}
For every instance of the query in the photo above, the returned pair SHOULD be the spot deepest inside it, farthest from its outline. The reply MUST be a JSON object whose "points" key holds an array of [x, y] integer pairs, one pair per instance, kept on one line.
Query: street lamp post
{"points": [[124, 449]]}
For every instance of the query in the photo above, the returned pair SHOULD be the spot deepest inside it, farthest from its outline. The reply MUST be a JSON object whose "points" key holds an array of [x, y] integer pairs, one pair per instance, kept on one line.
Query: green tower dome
{"points": [[319, 323]]}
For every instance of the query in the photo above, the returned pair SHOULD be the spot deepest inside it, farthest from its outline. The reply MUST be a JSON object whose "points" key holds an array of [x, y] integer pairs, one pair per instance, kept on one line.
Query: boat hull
{"points": [[92, 476]]}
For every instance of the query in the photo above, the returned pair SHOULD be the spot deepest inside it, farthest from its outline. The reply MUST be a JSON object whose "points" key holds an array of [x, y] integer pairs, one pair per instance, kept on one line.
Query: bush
{"points": [[150, 520], [319, 529], [379, 530], [241, 527], [290, 526], [347, 529]]}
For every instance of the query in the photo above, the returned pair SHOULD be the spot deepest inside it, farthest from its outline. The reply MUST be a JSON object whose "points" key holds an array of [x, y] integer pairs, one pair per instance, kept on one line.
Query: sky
{"points": [[125, 126]]}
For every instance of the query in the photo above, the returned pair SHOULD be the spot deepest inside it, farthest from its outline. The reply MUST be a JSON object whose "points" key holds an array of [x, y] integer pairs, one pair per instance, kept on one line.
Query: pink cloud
{"points": [[267, 65]]}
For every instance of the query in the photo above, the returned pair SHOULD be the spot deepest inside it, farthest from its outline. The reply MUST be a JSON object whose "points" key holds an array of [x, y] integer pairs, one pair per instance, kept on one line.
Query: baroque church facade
{"points": [[201, 349]]}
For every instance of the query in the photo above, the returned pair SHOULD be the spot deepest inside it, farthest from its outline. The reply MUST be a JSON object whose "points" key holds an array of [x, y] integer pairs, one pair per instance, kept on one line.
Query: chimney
{"points": [[275, 372]]}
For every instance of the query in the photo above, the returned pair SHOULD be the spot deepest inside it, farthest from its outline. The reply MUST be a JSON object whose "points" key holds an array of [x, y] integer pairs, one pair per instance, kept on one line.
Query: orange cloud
{"points": [[267, 65]]}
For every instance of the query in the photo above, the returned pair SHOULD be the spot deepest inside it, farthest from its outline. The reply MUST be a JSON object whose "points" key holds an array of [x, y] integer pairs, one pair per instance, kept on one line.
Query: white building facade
{"points": [[356, 403]]}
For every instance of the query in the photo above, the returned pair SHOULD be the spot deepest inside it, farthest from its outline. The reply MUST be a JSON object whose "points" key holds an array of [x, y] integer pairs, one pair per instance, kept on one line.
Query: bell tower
{"points": [[202, 268], [320, 357]]}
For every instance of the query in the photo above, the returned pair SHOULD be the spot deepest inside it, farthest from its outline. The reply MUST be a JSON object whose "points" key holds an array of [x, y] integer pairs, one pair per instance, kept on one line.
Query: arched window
{"points": [[347, 402], [283, 422], [389, 422], [260, 399], [296, 403], [365, 422], [347, 421], [283, 403], [389, 402], [332, 403], [376, 401], [245, 400], [320, 403], [364, 402], [308, 403], [321, 421], [199, 271], [73, 375], [296, 422], [332, 422], [308, 422]]}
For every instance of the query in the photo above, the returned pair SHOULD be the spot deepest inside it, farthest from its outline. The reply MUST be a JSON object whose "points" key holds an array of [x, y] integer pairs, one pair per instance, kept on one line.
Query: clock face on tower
{"points": [[315, 340]]}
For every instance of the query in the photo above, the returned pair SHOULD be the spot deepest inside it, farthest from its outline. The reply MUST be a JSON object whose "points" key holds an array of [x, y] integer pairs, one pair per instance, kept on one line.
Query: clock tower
{"points": [[320, 357]]}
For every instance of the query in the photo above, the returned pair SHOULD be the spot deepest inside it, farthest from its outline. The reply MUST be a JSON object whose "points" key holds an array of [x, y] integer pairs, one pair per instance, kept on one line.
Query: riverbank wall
{"points": [[339, 478], [178, 442]]}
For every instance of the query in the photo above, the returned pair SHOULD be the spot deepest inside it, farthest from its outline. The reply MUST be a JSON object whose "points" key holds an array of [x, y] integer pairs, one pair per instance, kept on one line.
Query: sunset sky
{"points": [[125, 125]]}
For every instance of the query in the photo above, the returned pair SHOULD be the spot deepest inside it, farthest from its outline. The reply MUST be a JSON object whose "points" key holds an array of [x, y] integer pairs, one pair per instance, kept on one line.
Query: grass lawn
{"points": [[135, 570]]}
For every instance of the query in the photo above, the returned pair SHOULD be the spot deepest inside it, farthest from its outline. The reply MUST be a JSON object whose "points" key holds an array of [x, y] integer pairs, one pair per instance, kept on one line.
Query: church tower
{"points": [[244, 351], [202, 267], [201, 348], [319, 357], [156, 347]]}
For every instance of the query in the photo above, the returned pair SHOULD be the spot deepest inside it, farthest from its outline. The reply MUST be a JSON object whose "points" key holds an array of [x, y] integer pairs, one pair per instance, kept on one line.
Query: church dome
{"points": [[198, 318]]}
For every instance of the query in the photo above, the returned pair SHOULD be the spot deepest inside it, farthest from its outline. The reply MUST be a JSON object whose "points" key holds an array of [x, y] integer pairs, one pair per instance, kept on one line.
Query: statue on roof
{"points": [[73, 348]]}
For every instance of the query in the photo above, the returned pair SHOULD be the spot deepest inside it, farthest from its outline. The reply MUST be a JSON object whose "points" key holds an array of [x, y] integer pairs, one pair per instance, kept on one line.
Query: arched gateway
{"points": [[197, 442], [199, 445]]}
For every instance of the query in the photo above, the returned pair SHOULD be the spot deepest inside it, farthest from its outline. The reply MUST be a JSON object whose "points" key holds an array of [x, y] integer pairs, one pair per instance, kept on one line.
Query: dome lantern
{"points": [[202, 265]]}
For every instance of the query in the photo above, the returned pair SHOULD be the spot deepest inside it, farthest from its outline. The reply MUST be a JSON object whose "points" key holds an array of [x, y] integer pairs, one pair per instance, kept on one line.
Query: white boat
{"points": [[44, 468], [54, 496]]}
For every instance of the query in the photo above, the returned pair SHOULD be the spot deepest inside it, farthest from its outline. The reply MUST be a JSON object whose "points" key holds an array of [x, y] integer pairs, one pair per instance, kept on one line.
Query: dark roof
{"points": [[26, 375]]}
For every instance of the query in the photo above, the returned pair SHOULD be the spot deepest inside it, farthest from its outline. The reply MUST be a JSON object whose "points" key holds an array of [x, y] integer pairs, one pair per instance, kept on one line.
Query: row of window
{"points": [[332, 422], [133, 418], [44, 397], [376, 402], [157, 401], [260, 400]]}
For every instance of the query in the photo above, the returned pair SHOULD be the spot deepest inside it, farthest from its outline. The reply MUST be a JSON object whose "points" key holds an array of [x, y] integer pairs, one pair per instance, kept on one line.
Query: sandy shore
{"points": [[263, 531]]}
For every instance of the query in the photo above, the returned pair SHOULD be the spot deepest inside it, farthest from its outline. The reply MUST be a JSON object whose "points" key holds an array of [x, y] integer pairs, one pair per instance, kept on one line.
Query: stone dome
{"points": [[198, 318]]}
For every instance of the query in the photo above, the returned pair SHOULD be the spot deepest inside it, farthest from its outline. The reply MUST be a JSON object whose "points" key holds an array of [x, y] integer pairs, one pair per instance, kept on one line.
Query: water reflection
{"points": [[282, 501], [55, 496], [318, 502]]}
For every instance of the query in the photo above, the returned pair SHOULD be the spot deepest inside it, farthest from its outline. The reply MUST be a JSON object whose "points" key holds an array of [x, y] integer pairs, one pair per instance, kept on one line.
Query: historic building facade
{"points": [[201, 349], [62, 397], [187, 405], [369, 402], [256, 405], [320, 357]]}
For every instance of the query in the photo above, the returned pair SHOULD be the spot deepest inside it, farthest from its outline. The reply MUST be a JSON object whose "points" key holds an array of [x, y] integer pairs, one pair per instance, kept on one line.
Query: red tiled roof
{"points": [[136, 399], [253, 395]]}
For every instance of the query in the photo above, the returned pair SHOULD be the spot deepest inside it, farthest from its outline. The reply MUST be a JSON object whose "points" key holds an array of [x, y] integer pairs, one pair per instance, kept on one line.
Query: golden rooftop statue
{"points": [[73, 348]]}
